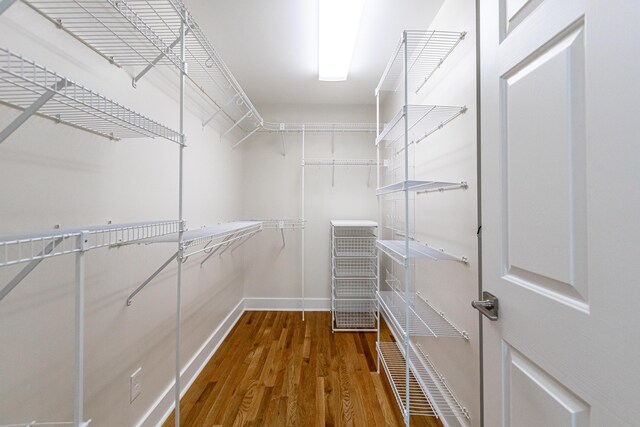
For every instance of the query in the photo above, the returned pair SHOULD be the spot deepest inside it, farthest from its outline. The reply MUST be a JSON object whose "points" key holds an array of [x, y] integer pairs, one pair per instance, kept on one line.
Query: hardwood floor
{"points": [[273, 369]]}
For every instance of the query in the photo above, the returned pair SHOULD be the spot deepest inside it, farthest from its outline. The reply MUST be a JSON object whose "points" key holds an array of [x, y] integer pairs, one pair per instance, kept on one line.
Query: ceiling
{"points": [[271, 46]]}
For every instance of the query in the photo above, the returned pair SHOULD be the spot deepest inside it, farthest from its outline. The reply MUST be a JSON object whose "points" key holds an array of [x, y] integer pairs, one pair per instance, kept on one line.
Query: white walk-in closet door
{"points": [[560, 211]]}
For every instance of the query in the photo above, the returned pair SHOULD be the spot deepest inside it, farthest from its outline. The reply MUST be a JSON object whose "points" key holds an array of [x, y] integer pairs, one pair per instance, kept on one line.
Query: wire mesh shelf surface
{"points": [[426, 51], [354, 288], [319, 127], [23, 83], [211, 237], [423, 121], [419, 186], [280, 224], [354, 267], [429, 395], [396, 249], [339, 162], [21, 248], [424, 320]]}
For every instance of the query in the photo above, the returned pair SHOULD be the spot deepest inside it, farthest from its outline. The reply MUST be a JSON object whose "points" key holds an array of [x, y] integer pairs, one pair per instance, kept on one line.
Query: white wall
{"points": [[272, 189], [55, 174], [449, 220]]}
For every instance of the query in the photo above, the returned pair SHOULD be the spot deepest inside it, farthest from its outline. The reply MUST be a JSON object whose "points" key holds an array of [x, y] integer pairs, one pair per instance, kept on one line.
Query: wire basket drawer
{"points": [[355, 314], [354, 232], [355, 246], [354, 267], [358, 288]]}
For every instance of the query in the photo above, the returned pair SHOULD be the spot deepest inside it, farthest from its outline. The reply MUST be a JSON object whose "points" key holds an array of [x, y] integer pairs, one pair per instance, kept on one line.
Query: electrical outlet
{"points": [[135, 385]]}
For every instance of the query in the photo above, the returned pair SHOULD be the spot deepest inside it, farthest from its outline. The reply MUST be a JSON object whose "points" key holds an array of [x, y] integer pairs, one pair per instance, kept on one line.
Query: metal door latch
{"points": [[488, 306]]}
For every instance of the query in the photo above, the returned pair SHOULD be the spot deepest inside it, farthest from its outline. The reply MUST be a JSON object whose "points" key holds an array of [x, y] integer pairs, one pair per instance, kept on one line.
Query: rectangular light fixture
{"points": [[338, 22]]}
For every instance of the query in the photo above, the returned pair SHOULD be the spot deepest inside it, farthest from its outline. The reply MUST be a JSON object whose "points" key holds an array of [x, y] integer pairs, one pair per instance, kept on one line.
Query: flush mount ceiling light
{"points": [[338, 22]]}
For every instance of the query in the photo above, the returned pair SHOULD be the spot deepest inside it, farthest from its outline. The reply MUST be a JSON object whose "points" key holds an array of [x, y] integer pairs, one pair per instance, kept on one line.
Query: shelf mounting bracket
{"points": [[153, 276], [31, 109], [217, 249], [247, 114], [215, 113], [153, 63], [29, 268]]}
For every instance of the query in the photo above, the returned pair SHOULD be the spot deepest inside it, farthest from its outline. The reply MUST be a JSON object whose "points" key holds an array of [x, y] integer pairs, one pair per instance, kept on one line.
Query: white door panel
{"points": [[561, 211]]}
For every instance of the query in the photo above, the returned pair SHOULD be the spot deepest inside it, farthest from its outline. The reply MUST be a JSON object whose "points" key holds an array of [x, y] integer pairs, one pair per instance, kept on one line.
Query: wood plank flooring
{"points": [[273, 369]]}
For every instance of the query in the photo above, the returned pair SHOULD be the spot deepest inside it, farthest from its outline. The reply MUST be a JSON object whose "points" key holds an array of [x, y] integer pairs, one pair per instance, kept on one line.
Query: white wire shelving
{"points": [[354, 260], [35, 89], [339, 162], [418, 388], [425, 53], [30, 247], [429, 395], [420, 186], [209, 240], [422, 121], [424, 319], [397, 250]]}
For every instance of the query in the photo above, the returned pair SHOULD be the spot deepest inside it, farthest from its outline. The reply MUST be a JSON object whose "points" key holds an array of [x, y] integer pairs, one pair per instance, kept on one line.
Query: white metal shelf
{"points": [[424, 319], [419, 186], [282, 224], [429, 395], [396, 249], [35, 89], [423, 120], [339, 162], [147, 33], [20, 248], [319, 127], [210, 237], [426, 51], [349, 226]]}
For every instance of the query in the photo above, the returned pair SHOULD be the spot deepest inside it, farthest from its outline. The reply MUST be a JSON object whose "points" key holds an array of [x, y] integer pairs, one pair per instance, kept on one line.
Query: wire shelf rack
{"points": [[147, 33], [211, 237], [353, 246], [280, 224], [339, 162], [16, 249], [355, 267], [23, 84], [424, 319], [423, 120], [396, 249], [319, 127], [426, 51], [420, 186], [355, 314], [428, 393], [354, 288]]}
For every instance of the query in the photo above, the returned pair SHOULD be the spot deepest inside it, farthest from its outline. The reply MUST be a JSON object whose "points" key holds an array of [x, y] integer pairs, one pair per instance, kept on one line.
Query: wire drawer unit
{"points": [[354, 276]]}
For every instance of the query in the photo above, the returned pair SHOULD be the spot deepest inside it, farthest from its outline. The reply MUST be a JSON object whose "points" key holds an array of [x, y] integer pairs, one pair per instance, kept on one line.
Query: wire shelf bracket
{"points": [[212, 239]]}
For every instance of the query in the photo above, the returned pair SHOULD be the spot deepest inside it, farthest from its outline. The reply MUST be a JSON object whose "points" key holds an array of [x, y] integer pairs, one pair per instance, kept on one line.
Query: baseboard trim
{"points": [[163, 407], [287, 304]]}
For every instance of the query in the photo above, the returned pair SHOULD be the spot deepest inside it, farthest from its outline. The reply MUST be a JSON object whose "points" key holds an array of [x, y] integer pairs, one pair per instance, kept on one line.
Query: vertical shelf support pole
{"points": [[379, 231], [180, 216], [302, 236], [406, 237], [78, 386]]}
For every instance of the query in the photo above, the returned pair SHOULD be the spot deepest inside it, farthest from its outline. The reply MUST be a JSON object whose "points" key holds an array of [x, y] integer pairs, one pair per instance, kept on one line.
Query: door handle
{"points": [[488, 306]]}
